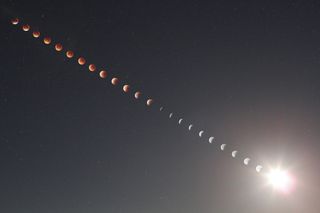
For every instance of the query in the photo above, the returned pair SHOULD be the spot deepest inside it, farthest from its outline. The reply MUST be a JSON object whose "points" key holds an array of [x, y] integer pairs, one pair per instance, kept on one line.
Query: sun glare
{"points": [[280, 180]]}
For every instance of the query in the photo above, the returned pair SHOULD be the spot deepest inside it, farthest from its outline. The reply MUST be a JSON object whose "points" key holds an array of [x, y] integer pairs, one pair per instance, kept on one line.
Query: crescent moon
{"points": [[170, 115], [259, 168], [234, 153], [201, 133], [211, 139], [161, 108], [190, 126], [246, 161], [223, 146], [180, 120]]}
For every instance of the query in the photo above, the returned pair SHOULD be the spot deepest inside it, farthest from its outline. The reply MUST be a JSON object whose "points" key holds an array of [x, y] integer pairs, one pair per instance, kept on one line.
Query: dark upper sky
{"points": [[245, 71]]}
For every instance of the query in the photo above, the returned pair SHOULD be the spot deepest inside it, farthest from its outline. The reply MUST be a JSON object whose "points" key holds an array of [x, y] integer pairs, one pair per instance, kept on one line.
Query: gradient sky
{"points": [[247, 72]]}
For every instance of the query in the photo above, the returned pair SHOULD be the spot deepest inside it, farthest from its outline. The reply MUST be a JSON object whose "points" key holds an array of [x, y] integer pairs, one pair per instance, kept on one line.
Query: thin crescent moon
{"points": [[234, 153], [170, 115], [201, 133], [223, 146], [246, 161], [190, 126], [180, 120], [161, 108], [211, 139], [259, 168]]}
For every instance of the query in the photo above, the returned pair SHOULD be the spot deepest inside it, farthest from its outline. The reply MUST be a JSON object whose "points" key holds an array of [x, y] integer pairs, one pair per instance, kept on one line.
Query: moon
{"points": [[246, 161], [137, 95], [170, 115], [149, 102], [92, 67], [201, 133], [103, 74], [69, 54], [58, 47], [259, 168], [190, 126], [26, 27], [234, 153], [36, 34], [180, 120], [126, 88], [114, 81], [47, 40], [15, 21], [223, 146], [211, 139], [161, 108], [81, 61]]}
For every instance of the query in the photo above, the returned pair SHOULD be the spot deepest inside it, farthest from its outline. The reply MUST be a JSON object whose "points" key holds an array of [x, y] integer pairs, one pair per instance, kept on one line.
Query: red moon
{"points": [[103, 74], [69, 54], [36, 34], [92, 67], [149, 102], [58, 47], [81, 61], [114, 81], [126, 88], [15, 21], [137, 95], [26, 27], [47, 40]]}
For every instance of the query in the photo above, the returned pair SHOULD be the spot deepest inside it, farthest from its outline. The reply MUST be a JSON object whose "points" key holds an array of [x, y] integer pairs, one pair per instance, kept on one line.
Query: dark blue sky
{"points": [[246, 72]]}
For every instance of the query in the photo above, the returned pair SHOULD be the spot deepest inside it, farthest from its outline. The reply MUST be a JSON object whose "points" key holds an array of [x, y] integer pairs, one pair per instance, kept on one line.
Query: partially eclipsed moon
{"points": [[190, 126], [58, 47], [223, 146], [92, 67], [36, 34], [234, 153], [180, 120], [170, 115], [126, 88], [201, 133], [259, 168], [103, 74], [149, 102], [15, 21], [211, 139], [137, 95], [69, 54], [47, 40], [114, 81], [246, 161]]}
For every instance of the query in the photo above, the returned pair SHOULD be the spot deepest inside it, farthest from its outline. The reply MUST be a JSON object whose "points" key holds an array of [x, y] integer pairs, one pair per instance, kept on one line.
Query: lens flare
{"points": [[280, 180]]}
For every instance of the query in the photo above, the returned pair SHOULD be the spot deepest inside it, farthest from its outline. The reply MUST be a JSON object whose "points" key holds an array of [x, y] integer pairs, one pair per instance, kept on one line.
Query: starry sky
{"points": [[247, 72]]}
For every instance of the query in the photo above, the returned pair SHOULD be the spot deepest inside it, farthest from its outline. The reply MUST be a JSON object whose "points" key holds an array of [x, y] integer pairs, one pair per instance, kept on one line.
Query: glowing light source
{"points": [[280, 180]]}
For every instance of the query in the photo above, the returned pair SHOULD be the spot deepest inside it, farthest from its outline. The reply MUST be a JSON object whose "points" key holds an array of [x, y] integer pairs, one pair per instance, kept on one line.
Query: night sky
{"points": [[246, 72]]}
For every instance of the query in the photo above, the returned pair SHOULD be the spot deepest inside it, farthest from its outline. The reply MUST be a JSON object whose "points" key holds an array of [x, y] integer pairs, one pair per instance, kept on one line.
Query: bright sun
{"points": [[280, 180]]}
